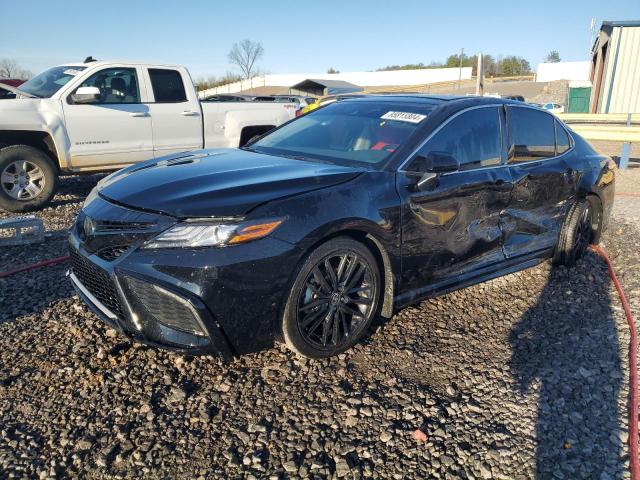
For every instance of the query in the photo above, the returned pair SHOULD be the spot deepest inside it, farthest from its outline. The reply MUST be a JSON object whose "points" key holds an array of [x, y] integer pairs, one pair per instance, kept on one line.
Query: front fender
{"points": [[42, 115]]}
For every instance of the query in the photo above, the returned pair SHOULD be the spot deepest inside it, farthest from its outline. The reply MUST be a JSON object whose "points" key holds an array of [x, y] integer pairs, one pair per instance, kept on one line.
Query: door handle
{"points": [[139, 114], [190, 113]]}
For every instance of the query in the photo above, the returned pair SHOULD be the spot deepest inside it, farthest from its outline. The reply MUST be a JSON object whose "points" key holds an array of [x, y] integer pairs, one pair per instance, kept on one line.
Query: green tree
{"points": [[553, 57], [508, 66], [333, 70], [511, 66]]}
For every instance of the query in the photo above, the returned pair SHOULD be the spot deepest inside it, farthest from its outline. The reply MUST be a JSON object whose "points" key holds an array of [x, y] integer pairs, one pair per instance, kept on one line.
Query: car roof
{"points": [[433, 101]]}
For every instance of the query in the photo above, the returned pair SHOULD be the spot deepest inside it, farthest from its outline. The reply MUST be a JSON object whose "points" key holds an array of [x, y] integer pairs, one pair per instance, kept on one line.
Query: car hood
{"points": [[217, 183]]}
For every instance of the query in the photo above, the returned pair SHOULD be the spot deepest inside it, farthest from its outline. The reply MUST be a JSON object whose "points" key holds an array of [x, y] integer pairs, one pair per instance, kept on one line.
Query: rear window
{"points": [[167, 86], [346, 133], [531, 135], [562, 139]]}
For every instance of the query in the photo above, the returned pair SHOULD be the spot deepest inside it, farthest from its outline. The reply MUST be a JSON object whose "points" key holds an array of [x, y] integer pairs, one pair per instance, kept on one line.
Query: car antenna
{"points": [[89, 59]]}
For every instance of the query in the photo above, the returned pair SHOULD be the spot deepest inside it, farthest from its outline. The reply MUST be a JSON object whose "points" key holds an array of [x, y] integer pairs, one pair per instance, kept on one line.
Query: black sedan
{"points": [[352, 211]]}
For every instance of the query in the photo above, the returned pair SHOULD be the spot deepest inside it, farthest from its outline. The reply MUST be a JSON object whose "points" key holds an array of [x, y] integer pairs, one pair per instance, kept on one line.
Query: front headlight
{"points": [[193, 235]]}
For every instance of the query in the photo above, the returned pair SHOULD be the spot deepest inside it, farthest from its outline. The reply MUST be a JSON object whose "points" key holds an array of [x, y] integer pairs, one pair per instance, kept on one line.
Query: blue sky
{"points": [[303, 37]]}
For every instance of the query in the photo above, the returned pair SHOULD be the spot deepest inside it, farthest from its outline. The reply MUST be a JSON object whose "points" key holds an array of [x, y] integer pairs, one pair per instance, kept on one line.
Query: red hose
{"points": [[633, 368], [44, 263]]}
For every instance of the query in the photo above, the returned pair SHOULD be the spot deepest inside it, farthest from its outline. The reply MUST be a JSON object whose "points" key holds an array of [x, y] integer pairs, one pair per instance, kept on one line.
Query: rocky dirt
{"points": [[523, 376]]}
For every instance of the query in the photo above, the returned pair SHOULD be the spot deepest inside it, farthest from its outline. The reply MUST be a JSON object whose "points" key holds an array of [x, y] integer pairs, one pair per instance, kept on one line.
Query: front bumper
{"points": [[147, 317], [208, 300]]}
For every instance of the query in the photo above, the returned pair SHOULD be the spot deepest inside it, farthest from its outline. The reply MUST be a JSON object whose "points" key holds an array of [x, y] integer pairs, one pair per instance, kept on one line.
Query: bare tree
{"points": [[9, 68], [245, 54]]}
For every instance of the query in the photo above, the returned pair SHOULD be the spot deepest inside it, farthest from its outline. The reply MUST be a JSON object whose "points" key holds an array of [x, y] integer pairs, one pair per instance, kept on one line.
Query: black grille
{"points": [[97, 282]]}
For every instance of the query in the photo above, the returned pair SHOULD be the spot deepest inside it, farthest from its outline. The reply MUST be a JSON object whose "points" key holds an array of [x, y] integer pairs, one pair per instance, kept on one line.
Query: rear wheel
{"points": [[579, 230], [28, 178], [333, 300]]}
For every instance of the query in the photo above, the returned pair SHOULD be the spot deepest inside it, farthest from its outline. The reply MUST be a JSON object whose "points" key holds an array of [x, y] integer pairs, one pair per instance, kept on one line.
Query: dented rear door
{"points": [[545, 179]]}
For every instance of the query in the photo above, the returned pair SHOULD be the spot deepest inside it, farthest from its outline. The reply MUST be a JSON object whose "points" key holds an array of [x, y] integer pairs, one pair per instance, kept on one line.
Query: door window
{"points": [[117, 85], [562, 139], [472, 138], [167, 86], [531, 135]]}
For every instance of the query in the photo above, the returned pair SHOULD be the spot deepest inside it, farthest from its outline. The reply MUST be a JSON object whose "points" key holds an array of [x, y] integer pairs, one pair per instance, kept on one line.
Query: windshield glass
{"points": [[50, 81], [346, 133]]}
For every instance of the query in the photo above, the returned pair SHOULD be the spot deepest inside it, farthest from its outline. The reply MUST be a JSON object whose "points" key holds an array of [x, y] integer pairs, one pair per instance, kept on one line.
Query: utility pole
{"points": [[480, 76], [626, 148], [460, 72]]}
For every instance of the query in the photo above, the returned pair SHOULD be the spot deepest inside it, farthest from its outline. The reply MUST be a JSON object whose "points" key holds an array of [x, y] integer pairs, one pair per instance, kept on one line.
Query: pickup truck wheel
{"points": [[28, 178]]}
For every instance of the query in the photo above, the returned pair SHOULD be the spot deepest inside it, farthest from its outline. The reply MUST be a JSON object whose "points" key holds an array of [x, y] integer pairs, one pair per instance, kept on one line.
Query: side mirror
{"points": [[86, 95], [430, 167]]}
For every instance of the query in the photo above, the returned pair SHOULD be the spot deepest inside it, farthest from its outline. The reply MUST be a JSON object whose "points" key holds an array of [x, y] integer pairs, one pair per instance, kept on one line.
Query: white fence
{"points": [[549, 72], [365, 79]]}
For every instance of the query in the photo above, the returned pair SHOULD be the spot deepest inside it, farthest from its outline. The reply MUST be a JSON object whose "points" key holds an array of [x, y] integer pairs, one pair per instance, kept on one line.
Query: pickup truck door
{"points": [[114, 131], [176, 116]]}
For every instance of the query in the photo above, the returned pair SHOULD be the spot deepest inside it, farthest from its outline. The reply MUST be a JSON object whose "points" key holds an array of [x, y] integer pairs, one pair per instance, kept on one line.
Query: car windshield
{"points": [[346, 133], [50, 81]]}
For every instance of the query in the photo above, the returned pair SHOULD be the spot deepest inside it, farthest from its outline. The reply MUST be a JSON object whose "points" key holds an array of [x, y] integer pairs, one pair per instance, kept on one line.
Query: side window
{"points": [[562, 139], [472, 138], [531, 135], [117, 85], [167, 86]]}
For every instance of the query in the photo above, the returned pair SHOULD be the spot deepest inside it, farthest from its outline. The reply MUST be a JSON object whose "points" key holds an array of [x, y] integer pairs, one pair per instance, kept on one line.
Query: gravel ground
{"points": [[523, 376]]}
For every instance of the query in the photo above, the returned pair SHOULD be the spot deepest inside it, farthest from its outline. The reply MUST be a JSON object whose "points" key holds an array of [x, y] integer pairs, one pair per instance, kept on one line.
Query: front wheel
{"points": [[333, 300], [580, 228], [28, 178]]}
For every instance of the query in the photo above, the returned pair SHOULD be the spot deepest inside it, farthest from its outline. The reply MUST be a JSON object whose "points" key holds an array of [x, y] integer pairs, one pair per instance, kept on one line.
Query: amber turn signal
{"points": [[253, 232]]}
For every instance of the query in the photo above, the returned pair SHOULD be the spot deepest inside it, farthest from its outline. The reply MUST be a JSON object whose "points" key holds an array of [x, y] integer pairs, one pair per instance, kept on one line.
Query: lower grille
{"points": [[162, 306], [97, 282]]}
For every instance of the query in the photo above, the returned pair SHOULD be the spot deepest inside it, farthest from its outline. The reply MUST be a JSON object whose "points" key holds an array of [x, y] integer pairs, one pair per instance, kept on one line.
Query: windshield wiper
{"points": [[293, 157]]}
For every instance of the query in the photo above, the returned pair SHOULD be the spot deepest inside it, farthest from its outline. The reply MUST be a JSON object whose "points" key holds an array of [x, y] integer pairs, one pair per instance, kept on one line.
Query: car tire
{"points": [[581, 227], [334, 298], [28, 179]]}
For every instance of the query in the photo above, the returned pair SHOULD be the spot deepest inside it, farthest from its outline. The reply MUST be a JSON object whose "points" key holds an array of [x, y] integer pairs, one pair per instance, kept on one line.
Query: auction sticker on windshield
{"points": [[71, 71], [404, 117]]}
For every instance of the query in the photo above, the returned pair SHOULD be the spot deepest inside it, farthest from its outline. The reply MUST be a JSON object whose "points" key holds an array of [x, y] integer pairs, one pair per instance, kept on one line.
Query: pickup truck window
{"points": [[50, 81], [117, 85], [167, 86]]}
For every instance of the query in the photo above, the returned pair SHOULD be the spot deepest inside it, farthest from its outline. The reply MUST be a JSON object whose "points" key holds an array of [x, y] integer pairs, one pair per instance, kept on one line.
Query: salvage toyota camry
{"points": [[352, 211]]}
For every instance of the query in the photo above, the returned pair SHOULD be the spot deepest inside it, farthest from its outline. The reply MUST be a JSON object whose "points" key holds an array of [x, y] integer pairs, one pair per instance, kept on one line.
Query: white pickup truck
{"points": [[100, 116]]}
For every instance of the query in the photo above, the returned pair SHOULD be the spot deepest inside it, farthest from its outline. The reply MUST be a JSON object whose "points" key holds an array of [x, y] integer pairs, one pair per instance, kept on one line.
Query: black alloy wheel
{"points": [[580, 229], [334, 299], [584, 232]]}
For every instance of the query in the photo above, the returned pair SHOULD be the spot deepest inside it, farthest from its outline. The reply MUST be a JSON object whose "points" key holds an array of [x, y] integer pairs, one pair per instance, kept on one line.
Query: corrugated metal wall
{"points": [[621, 92]]}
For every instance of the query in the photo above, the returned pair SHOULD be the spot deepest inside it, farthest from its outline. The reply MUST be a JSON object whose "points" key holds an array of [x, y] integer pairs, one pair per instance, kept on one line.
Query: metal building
{"points": [[615, 68]]}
